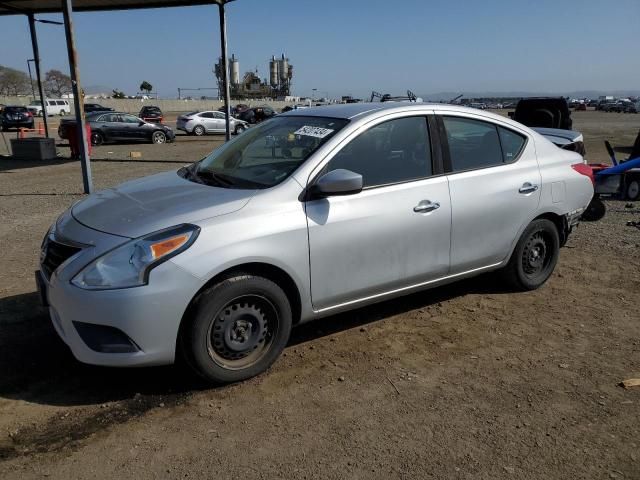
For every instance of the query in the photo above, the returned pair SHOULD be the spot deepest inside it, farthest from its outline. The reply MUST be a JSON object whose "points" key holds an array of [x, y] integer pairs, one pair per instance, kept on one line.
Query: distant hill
{"points": [[516, 94]]}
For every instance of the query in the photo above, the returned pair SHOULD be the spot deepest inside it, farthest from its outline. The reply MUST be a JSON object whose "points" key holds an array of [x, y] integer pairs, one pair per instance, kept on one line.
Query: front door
{"points": [[495, 182], [393, 234]]}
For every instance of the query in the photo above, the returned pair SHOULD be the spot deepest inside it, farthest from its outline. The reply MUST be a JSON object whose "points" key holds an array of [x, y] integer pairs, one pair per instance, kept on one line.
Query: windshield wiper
{"points": [[212, 178]]}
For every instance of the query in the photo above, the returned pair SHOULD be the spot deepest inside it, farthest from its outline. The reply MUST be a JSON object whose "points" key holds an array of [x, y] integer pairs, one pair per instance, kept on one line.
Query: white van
{"points": [[57, 106]]}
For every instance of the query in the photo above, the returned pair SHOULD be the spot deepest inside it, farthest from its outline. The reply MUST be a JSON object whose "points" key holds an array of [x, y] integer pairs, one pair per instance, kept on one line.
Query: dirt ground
{"points": [[466, 381]]}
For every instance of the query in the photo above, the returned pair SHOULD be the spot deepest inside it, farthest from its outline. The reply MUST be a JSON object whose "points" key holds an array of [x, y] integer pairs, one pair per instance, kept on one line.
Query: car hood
{"points": [[142, 206]]}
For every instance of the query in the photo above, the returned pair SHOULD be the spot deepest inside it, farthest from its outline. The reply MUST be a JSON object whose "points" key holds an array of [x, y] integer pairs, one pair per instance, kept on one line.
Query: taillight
{"points": [[584, 169], [29, 114]]}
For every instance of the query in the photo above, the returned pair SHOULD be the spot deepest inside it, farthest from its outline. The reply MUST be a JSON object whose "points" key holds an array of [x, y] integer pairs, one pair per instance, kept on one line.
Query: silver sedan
{"points": [[310, 213], [201, 123]]}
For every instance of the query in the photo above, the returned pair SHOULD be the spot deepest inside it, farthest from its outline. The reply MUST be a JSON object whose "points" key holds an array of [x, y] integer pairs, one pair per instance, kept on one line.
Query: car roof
{"points": [[351, 110]]}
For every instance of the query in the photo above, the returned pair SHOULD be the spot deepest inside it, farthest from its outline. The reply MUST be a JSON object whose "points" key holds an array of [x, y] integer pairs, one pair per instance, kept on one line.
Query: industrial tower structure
{"points": [[251, 86]]}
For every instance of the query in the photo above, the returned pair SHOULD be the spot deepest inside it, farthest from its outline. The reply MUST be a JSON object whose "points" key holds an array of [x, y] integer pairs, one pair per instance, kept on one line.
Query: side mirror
{"points": [[140, 123], [337, 182]]}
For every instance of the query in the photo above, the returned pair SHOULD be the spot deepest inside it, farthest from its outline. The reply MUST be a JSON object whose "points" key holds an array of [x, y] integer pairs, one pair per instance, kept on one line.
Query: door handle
{"points": [[528, 188], [426, 206]]}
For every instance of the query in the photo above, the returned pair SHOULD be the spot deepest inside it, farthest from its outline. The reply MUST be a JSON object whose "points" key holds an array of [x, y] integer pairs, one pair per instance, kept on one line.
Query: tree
{"points": [[56, 83], [118, 94], [13, 82], [146, 87]]}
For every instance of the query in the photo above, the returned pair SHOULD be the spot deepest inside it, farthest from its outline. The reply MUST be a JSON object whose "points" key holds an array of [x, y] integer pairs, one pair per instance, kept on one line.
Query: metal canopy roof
{"points": [[14, 7]]}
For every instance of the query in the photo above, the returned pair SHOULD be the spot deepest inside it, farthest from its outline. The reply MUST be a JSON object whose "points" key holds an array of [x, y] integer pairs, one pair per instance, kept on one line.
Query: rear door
{"points": [[494, 182], [109, 125], [392, 235]]}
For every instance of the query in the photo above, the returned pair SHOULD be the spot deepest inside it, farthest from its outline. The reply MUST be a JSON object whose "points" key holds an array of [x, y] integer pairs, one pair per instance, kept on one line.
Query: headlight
{"points": [[129, 265]]}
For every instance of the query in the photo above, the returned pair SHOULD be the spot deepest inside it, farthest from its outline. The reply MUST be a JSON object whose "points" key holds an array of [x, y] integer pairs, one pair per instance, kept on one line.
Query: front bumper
{"points": [[149, 316]]}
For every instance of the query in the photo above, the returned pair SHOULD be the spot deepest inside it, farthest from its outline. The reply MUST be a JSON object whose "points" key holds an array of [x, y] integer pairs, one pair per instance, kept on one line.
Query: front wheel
{"points": [[535, 256], [239, 129], [237, 329], [159, 137]]}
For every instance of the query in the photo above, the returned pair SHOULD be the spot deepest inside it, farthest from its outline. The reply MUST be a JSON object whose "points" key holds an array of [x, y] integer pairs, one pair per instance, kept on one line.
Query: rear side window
{"points": [[206, 115], [472, 143], [512, 144], [391, 152], [60, 102]]}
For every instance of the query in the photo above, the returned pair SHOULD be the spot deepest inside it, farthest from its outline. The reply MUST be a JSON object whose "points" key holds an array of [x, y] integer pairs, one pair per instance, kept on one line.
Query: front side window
{"points": [[266, 154], [391, 152], [60, 102], [472, 143], [219, 116]]}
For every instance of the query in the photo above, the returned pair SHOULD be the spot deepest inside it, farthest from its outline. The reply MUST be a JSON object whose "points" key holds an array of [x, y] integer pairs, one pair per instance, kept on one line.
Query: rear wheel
{"points": [[535, 256], [62, 113], [237, 329], [97, 138], [198, 130], [633, 189], [159, 137]]}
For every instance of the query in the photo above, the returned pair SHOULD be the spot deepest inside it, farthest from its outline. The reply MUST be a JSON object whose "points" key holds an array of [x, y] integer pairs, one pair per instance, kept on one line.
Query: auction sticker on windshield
{"points": [[317, 132]]}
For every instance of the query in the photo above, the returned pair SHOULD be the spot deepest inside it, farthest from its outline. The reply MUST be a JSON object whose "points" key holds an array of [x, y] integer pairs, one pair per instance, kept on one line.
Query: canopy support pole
{"points": [[67, 10], [225, 70], [36, 58]]}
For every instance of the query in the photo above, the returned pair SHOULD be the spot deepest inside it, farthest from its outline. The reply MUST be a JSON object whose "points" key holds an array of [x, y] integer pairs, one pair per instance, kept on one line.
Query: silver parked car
{"points": [[310, 213], [201, 123]]}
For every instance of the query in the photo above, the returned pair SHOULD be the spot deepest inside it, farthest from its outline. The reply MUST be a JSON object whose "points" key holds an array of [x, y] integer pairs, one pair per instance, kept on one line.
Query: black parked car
{"points": [[545, 112], [151, 113], [96, 107], [121, 127], [256, 114], [16, 117]]}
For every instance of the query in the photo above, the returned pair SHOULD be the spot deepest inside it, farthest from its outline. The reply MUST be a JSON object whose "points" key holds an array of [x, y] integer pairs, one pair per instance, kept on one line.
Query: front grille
{"points": [[56, 254]]}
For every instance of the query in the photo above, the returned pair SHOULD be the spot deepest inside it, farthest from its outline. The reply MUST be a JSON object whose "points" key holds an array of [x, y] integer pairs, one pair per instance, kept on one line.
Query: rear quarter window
{"points": [[512, 144]]}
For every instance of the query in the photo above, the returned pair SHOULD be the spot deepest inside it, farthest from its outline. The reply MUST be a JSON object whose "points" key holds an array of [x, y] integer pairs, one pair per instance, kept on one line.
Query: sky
{"points": [[342, 47]]}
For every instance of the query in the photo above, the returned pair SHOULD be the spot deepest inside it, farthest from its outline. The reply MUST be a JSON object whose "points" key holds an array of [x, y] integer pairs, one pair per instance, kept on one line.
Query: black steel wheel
{"points": [[535, 256], [236, 329]]}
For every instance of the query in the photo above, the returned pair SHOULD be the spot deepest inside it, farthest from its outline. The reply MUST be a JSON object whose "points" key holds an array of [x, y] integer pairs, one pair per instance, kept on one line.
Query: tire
{"points": [[595, 210], [632, 191], [158, 137], [236, 329], [199, 130], [62, 113], [97, 138], [239, 129], [535, 256]]}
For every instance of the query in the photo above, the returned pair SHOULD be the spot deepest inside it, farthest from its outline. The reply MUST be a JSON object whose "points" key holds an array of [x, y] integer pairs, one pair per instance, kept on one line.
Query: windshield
{"points": [[266, 154]]}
